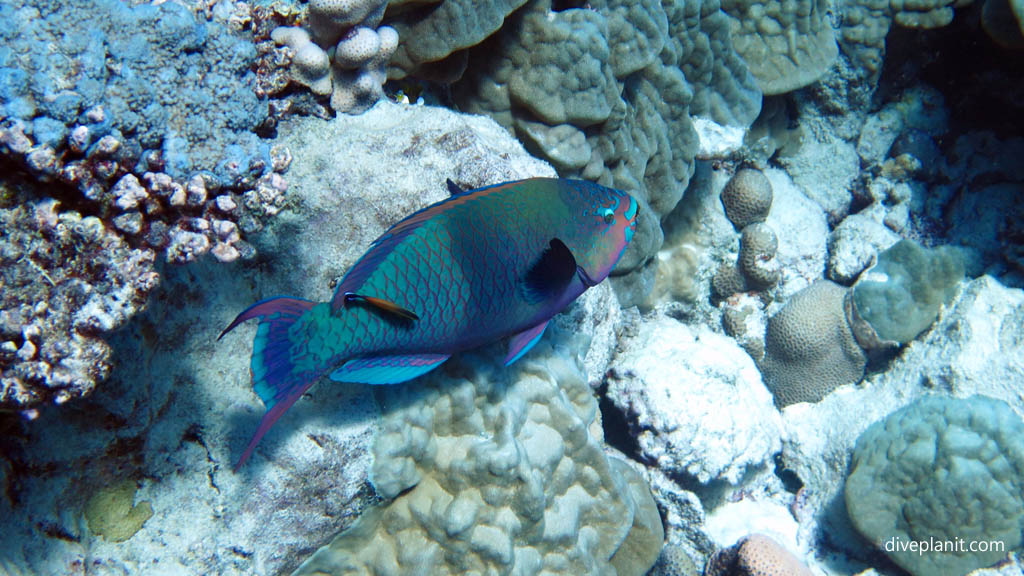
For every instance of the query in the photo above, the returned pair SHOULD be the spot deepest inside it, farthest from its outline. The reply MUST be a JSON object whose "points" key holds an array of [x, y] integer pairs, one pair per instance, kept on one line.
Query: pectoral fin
{"points": [[387, 369], [386, 306], [522, 342], [550, 274]]}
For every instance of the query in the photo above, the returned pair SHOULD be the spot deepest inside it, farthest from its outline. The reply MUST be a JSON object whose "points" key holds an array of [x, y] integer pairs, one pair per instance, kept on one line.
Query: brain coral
{"points": [[755, 555], [809, 347], [747, 197], [941, 468], [495, 471]]}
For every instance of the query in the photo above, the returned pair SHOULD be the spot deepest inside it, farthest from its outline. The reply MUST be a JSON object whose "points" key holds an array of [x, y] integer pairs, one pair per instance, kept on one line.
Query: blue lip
{"points": [[633, 207]]}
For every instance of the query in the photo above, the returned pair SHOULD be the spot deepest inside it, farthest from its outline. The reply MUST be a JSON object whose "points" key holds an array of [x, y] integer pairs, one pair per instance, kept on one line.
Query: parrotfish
{"points": [[479, 266]]}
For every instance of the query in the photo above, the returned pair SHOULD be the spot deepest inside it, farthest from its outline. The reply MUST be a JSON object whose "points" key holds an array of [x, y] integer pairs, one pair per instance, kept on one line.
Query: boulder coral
{"points": [[491, 470], [940, 470], [747, 199]]}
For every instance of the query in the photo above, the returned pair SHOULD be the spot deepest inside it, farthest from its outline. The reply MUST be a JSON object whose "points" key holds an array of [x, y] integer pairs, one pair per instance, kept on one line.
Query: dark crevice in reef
{"points": [[562, 5], [790, 480], [982, 82], [616, 428]]}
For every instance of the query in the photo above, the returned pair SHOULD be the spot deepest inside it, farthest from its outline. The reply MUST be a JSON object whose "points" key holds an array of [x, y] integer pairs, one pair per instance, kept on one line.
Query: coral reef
{"points": [[178, 409], [185, 174], [975, 348], [144, 134], [645, 72], [68, 281], [943, 469]]}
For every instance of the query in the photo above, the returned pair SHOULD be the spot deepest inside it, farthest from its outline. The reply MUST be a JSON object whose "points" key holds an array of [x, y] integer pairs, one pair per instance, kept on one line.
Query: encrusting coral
{"points": [[111, 511], [901, 295]]}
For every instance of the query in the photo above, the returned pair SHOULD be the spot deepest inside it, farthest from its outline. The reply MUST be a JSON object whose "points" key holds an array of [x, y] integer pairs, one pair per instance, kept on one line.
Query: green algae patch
{"points": [[112, 513]]}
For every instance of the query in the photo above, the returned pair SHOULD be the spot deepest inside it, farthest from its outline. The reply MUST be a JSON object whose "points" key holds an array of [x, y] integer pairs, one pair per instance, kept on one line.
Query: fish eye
{"points": [[608, 215]]}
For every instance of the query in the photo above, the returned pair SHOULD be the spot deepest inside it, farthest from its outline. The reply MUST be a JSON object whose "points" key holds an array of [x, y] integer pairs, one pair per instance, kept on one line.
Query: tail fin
{"points": [[273, 372]]}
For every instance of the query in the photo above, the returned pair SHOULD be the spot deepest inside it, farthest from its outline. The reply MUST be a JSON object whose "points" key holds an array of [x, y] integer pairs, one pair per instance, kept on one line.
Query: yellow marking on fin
{"points": [[385, 305]]}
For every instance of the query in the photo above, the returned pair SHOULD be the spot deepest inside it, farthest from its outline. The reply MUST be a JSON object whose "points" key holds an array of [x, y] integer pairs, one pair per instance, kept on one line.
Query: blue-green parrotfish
{"points": [[479, 266]]}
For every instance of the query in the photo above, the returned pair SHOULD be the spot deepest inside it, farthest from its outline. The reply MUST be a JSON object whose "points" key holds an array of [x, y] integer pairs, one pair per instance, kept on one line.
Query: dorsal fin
{"points": [[550, 274]]}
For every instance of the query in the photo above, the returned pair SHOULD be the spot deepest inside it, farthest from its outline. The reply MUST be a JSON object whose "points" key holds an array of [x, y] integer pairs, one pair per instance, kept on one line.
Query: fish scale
{"points": [[486, 264]]}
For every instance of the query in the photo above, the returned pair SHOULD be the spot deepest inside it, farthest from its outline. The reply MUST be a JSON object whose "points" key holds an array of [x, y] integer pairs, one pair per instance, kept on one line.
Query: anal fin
{"points": [[387, 369], [522, 342]]}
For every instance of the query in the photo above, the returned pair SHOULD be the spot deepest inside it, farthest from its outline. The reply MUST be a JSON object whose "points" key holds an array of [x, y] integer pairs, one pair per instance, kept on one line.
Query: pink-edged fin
{"points": [[275, 378], [279, 305], [522, 342], [280, 407]]}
